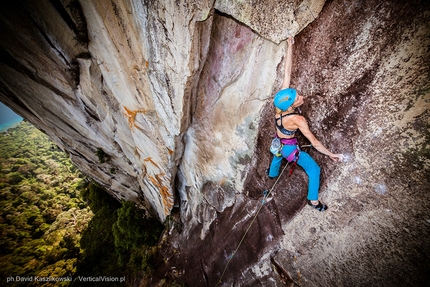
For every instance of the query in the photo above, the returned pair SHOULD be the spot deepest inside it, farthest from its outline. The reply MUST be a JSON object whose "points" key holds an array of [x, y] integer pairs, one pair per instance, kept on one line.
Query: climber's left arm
{"points": [[288, 64], [300, 121]]}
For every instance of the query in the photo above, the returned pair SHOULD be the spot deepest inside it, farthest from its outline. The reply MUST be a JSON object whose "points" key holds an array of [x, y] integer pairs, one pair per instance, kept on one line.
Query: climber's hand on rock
{"points": [[337, 157]]}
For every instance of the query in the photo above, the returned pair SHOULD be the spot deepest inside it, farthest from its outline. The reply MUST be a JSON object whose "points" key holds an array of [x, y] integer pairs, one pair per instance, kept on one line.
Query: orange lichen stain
{"points": [[146, 64], [154, 181], [131, 115], [158, 176], [151, 161], [170, 151], [137, 151], [166, 197], [223, 180]]}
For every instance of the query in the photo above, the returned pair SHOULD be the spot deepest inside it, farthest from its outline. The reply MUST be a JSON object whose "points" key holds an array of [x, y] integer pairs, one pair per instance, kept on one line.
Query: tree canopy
{"points": [[54, 222]]}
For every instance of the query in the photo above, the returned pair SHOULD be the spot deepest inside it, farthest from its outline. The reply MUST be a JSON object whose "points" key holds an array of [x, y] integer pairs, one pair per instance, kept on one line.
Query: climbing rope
{"points": [[266, 194]]}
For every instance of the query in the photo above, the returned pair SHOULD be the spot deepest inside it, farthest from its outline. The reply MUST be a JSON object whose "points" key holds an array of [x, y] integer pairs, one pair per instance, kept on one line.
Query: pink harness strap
{"points": [[291, 141]]}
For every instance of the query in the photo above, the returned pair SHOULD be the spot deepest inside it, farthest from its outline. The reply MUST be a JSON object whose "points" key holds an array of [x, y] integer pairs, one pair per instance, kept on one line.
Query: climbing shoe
{"points": [[319, 206]]}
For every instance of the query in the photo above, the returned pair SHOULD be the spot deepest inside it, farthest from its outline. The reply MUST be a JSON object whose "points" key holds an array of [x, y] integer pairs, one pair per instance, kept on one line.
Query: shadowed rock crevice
{"points": [[220, 242], [75, 20], [13, 64]]}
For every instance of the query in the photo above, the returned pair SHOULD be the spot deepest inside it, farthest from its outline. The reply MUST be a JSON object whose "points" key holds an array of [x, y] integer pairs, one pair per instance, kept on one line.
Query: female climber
{"points": [[287, 123]]}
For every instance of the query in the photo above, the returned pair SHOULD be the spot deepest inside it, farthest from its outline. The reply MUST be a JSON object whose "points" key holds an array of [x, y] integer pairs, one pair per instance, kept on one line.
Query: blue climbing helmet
{"points": [[285, 98]]}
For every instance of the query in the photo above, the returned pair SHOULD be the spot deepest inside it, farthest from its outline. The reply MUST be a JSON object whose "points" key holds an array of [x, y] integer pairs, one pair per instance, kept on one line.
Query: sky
{"points": [[7, 117], [6, 114]]}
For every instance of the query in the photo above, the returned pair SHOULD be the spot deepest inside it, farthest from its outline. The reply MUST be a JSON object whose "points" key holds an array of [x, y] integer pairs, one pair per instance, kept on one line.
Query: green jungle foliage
{"points": [[120, 240], [42, 214], [47, 228]]}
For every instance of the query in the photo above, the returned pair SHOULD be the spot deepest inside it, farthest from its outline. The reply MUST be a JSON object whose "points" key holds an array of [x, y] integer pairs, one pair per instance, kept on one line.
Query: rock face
{"points": [[120, 79], [176, 99]]}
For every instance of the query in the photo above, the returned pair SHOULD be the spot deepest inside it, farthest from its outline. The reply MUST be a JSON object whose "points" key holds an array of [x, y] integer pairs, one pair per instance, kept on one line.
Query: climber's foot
{"points": [[317, 205]]}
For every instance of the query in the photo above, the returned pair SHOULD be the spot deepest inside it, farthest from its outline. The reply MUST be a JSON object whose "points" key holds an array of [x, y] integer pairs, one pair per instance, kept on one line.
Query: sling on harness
{"points": [[296, 153], [293, 157]]}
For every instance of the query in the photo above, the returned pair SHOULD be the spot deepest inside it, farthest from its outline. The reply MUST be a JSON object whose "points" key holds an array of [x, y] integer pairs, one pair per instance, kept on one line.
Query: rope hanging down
{"points": [[266, 194]]}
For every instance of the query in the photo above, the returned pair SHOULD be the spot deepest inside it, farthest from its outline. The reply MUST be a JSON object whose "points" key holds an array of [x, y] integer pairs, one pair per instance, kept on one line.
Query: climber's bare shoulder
{"points": [[298, 120], [303, 126]]}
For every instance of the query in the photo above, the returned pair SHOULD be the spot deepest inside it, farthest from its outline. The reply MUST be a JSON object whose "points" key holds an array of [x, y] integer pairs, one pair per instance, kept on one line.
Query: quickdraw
{"points": [[296, 155]]}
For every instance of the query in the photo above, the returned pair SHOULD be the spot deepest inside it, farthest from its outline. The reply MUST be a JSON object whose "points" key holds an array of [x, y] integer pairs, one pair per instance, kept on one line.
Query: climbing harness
{"points": [[266, 193]]}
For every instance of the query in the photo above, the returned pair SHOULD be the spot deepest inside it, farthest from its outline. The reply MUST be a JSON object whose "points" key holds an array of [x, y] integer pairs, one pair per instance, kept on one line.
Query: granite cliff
{"points": [[175, 97]]}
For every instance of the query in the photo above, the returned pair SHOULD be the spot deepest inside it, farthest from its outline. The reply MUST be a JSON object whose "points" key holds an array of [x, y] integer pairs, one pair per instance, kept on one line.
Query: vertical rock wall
{"points": [[363, 69], [108, 77], [177, 99], [364, 66], [116, 81]]}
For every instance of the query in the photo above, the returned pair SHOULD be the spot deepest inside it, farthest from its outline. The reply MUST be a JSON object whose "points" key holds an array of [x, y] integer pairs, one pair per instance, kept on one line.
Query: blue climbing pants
{"points": [[306, 162]]}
